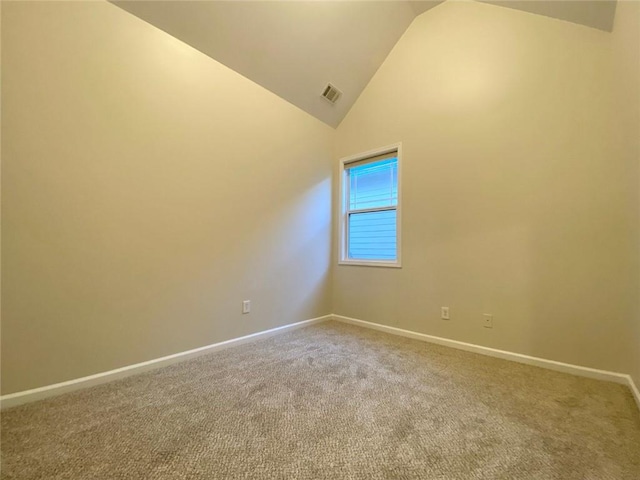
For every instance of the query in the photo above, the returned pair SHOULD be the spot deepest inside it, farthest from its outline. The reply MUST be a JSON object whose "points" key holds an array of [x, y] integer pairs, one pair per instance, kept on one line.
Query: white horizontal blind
{"points": [[371, 208]]}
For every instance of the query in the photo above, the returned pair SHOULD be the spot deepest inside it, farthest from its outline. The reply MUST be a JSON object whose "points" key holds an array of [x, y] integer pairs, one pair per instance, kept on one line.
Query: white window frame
{"points": [[343, 230]]}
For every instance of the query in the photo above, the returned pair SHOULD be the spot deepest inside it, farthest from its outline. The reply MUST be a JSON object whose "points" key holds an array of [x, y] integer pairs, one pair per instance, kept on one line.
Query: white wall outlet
{"points": [[246, 306], [444, 313], [488, 320]]}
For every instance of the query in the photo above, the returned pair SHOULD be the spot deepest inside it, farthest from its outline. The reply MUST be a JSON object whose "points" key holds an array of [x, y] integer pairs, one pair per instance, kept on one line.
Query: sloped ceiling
{"points": [[294, 48], [421, 6], [592, 13], [290, 48]]}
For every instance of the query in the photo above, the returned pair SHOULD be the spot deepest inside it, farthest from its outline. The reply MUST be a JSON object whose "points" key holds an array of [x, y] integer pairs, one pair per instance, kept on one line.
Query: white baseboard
{"points": [[27, 396], [615, 377]]}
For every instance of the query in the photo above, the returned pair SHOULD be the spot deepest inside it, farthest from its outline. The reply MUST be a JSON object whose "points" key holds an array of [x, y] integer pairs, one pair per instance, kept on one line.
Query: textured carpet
{"points": [[331, 401]]}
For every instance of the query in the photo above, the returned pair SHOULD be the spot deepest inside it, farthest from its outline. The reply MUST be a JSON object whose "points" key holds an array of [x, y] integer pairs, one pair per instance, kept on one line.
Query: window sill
{"points": [[372, 263]]}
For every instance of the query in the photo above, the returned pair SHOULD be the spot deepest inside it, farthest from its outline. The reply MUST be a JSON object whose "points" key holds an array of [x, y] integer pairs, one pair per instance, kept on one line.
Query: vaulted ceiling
{"points": [[294, 48]]}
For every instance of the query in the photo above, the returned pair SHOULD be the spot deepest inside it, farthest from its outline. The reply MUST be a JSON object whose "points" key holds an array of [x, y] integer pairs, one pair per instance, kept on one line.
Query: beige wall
{"points": [[626, 54], [147, 190], [516, 200]]}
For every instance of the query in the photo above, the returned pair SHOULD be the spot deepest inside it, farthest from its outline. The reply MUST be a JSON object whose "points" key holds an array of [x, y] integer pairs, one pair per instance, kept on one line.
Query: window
{"points": [[370, 214]]}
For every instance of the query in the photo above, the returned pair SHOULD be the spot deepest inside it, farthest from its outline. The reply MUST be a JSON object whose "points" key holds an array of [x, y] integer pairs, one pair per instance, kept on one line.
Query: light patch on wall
{"points": [[470, 70], [473, 83], [313, 244], [462, 84], [312, 207]]}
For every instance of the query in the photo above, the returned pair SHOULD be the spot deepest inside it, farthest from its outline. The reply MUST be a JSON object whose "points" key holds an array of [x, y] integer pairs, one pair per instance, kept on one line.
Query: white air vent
{"points": [[331, 94]]}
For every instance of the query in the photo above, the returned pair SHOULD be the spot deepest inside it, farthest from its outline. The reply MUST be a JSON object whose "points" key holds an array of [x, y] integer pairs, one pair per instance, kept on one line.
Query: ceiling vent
{"points": [[331, 94]]}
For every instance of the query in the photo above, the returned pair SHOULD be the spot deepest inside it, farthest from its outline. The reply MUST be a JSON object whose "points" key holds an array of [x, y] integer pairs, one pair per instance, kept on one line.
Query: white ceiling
{"points": [[421, 6], [290, 48], [294, 48], [592, 13]]}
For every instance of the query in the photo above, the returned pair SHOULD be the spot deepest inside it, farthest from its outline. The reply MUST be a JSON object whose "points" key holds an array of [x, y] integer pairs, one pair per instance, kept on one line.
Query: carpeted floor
{"points": [[331, 401]]}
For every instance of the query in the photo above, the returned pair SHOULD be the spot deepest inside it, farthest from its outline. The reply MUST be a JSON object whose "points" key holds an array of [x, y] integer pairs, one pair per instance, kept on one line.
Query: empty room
{"points": [[320, 240]]}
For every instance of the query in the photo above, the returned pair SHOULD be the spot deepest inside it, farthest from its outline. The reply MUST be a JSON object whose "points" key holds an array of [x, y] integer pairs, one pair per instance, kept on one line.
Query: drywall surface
{"points": [[292, 48], [626, 54], [146, 191], [516, 200]]}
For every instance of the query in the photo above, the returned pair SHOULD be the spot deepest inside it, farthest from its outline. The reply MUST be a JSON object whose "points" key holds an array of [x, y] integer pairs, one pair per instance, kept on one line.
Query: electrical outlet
{"points": [[488, 320], [246, 306], [444, 313]]}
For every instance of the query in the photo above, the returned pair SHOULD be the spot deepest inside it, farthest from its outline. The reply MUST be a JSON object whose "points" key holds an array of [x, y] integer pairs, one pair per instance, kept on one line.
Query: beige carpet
{"points": [[331, 401]]}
